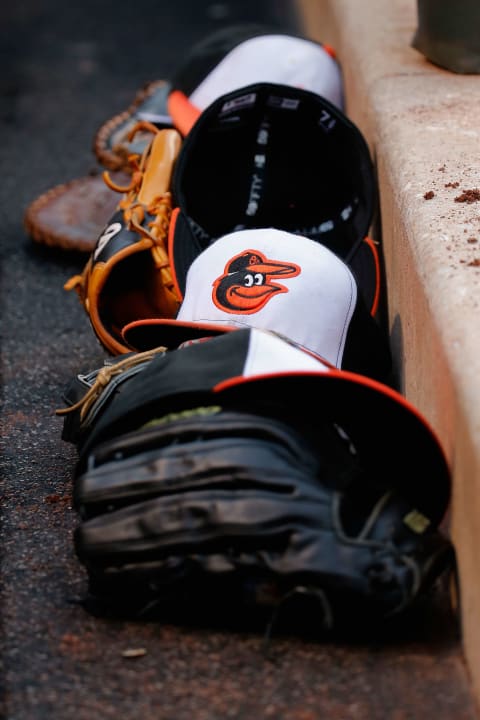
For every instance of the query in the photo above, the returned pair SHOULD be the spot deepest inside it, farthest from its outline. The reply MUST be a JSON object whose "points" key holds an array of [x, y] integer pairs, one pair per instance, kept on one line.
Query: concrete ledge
{"points": [[422, 125]]}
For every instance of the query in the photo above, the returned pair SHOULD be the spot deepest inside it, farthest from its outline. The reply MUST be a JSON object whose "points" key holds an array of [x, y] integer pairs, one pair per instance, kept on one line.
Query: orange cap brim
{"points": [[183, 113]]}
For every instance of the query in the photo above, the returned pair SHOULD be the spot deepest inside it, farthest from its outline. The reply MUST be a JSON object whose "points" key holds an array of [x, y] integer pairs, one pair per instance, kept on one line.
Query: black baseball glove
{"points": [[194, 500]]}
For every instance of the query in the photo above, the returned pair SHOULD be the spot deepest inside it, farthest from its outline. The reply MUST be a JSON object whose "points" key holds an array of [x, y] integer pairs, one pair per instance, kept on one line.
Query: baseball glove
{"points": [[128, 276], [113, 143], [189, 500], [71, 216], [237, 505]]}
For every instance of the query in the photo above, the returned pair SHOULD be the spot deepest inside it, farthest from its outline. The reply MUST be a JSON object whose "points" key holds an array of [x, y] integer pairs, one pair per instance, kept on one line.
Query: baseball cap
{"points": [[222, 61], [271, 155], [242, 54], [258, 371], [275, 280]]}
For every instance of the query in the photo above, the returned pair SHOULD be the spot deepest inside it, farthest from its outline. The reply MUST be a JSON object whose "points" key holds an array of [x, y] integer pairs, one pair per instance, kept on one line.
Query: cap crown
{"points": [[274, 58], [269, 279]]}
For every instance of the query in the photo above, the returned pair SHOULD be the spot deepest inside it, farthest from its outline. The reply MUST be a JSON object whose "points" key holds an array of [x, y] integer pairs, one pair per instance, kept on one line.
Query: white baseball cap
{"points": [[274, 280], [274, 58]]}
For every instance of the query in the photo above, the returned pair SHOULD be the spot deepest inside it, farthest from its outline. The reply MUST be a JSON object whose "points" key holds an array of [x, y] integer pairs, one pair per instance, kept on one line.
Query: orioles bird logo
{"points": [[246, 285]]}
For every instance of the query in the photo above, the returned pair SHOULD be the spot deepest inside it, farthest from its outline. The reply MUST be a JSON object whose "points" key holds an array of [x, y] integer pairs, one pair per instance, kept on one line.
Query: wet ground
{"points": [[65, 70]]}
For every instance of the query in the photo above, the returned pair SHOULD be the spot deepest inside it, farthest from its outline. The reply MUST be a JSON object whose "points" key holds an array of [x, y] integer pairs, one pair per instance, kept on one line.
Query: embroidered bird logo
{"points": [[247, 285]]}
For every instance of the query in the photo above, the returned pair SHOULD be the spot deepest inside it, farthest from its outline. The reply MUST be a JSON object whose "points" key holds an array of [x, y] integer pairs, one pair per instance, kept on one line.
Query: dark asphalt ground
{"points": [[66, 68]]}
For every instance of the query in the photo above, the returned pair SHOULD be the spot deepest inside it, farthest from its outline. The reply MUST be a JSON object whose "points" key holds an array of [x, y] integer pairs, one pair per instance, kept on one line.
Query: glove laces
{"points": [[103, 378], [134, 212]]}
